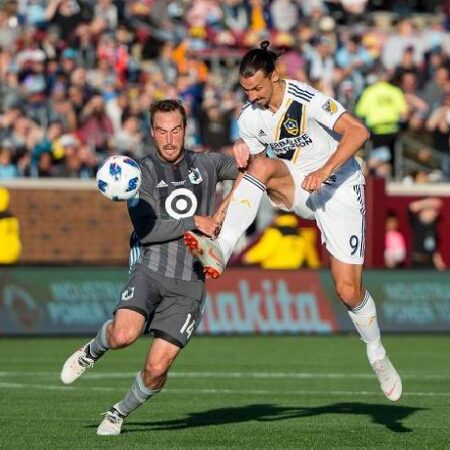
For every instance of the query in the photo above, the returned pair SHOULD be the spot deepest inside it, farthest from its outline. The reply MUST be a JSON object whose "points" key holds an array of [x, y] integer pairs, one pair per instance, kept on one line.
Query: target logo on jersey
{"points": [[181, 203]]}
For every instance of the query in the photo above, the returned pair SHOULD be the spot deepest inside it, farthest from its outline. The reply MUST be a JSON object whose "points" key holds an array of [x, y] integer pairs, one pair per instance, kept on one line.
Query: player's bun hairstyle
{"points": [[258, 59], [167, 105]]}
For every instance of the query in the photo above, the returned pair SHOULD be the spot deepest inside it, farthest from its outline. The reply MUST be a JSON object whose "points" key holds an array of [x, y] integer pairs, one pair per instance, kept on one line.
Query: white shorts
{"points": [[339, 212]]}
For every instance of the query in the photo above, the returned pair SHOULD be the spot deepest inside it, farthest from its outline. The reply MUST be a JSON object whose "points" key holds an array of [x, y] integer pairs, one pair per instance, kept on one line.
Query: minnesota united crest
{"points": [[195, 177]]}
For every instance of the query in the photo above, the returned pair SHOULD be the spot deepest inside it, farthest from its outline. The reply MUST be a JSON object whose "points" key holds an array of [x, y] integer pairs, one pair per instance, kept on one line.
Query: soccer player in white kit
{"points": [[311, 141]]}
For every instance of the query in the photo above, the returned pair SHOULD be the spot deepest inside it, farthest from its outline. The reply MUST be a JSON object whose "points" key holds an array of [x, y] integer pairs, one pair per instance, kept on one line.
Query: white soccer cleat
{"points": [[76, 365], [390, 381], [112, 423], [207, 251]]}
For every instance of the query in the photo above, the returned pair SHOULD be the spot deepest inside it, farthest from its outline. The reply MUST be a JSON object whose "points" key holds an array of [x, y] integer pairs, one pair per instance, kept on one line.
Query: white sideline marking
{"points": [[261, 375], [223, 391]]}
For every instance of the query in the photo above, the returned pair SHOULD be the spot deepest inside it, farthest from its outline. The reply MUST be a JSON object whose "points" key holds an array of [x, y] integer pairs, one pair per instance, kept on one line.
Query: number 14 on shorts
{"points": [[188, 326]]}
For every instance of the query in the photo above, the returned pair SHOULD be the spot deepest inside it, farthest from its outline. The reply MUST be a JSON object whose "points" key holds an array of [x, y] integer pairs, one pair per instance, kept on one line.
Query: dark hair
{"points": [[167, 105], [258, 59]]}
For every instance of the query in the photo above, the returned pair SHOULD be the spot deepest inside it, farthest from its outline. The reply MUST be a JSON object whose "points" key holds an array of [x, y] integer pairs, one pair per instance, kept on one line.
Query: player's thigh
{"points": [[138, 299], [127, 325], [288, 194], [340, 216], [179, 313]]}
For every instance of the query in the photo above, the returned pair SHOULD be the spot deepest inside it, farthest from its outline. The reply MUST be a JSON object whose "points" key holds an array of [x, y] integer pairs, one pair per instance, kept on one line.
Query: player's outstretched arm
{"points": [[353, 136]]}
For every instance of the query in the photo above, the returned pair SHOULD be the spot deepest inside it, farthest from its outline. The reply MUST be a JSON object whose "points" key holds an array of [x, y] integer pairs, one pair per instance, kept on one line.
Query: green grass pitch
{"points": [[232, 392]]}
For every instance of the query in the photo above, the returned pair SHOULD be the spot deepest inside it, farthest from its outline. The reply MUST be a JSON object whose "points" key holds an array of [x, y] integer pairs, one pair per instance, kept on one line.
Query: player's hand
{"points": [[241, 153], [313, 181], [209, 226]]}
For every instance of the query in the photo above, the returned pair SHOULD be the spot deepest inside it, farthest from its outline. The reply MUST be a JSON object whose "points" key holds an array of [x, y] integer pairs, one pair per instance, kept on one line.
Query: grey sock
{"points": [[135, 397], [100, 344]]}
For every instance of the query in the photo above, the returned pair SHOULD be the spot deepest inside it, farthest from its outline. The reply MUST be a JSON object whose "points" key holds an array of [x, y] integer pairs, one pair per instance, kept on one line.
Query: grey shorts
{"points": [[172, 308]]}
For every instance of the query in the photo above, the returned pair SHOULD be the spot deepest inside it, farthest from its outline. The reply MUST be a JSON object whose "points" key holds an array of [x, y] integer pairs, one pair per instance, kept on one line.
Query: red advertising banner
{"points": [[255, 301]]}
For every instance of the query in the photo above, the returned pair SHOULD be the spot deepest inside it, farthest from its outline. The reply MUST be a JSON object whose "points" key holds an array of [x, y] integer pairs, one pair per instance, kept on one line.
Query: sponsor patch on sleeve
{"points": [[330, 106]]}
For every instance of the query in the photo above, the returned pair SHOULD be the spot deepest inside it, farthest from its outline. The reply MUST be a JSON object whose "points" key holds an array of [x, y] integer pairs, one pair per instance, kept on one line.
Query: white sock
{"points": [[364, 317], [241, 213]]}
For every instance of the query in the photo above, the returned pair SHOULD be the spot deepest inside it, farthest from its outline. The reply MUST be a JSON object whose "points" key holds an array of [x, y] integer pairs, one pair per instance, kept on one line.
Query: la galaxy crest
{"points": [[291, 126]]}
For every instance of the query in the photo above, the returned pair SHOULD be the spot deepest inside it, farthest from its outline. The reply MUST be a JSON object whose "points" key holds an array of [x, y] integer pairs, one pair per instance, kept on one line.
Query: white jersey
{"points": [[300, 131]]}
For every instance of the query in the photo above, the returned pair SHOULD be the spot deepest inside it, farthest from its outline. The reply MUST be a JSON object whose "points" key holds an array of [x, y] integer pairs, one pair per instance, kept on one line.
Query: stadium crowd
{"points": [[77, 77]]}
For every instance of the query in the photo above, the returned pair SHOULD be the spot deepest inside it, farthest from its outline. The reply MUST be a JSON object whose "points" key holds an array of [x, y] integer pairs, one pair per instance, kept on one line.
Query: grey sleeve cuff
{"points": [[188, 223]]}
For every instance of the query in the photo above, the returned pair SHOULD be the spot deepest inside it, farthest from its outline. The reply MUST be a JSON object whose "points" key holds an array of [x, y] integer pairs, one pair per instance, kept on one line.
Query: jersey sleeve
{"points": [[325, 110], [149, 227], [248, 133], [224, 165]]}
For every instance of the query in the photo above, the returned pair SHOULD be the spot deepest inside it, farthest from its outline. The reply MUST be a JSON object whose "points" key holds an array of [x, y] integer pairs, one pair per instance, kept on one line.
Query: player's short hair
{"points": [[258, 59], [167, 105]]}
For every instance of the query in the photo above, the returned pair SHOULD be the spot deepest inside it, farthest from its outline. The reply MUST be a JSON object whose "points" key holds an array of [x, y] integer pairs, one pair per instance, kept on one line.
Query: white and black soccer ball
{"points": [[119, 178]]}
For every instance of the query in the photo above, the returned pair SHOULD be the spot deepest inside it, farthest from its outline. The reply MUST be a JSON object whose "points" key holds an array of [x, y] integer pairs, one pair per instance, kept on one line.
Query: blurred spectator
{"points": [[434, 88], [321, 64], [283, 246], [417, 107], [424, 217], [7, 167], [404, 37], [284, 14], [383, 108], [394, 243], [11, 246], [439, 124], [129, 140], [65, 15], [354, 60], [96, 127]]}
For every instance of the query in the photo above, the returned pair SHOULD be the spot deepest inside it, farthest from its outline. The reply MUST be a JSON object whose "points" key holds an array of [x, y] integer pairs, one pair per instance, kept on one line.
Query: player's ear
{"points": [[275, 77]]}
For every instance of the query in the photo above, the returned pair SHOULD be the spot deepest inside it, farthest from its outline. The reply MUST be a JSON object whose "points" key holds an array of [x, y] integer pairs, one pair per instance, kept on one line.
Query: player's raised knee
{"points": [[121, 337]]}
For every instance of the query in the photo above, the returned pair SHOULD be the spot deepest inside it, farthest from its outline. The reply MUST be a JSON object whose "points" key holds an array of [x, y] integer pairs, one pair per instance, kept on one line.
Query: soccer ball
{"points": [[119, 178]]}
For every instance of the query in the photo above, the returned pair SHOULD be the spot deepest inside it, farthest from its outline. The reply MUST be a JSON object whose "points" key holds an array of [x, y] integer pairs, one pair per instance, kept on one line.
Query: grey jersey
{"points": [[169, 196]]}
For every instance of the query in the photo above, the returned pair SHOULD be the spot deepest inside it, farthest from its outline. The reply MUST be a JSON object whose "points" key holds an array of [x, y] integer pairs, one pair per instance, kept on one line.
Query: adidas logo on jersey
{"points": [[162, 184], [261, 133]]}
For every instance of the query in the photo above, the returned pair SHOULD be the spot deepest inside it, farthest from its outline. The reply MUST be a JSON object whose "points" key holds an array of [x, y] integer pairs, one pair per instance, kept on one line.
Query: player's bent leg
{"points": [[244, 205], [118, 333], [146, 384], [85, 357], [362, 311], [127, 326]]}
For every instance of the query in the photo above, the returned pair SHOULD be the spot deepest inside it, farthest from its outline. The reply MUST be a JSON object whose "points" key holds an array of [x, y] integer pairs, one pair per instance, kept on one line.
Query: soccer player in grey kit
{"points": [[165, 290]]}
